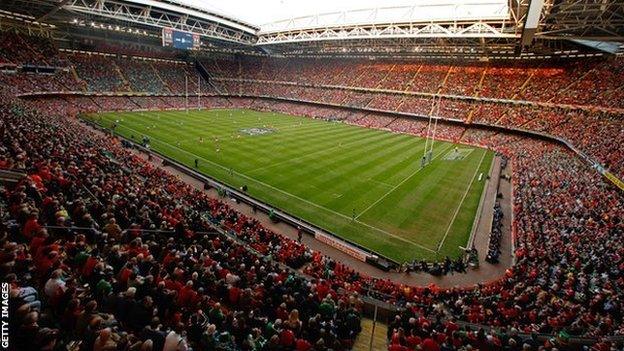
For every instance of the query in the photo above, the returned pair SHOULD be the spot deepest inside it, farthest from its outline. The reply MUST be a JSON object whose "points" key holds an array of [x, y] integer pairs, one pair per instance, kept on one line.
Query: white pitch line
{"points": [[301, 126], [295, 196], [398, 185], [448, 229], [379, 182]]}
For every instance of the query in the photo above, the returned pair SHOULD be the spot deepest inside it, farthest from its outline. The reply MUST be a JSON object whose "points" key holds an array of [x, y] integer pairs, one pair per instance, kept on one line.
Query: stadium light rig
{"points": [[110, 27]]}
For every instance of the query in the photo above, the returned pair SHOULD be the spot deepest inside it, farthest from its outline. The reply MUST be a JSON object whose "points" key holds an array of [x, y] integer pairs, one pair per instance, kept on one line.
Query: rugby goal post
{"points": [[432, 126]]}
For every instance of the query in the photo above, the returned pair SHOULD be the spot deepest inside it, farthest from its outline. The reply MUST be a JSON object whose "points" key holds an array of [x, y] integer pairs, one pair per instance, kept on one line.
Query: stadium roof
{"points": [[280, 15], [390, 28]]}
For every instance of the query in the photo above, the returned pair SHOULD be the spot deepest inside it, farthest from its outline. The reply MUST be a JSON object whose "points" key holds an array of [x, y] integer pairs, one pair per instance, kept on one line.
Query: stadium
{"points": [[279, 175]]}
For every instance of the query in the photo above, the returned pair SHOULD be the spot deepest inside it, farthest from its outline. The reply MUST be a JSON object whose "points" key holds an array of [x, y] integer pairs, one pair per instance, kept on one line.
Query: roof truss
{"points": [[144, 13]]}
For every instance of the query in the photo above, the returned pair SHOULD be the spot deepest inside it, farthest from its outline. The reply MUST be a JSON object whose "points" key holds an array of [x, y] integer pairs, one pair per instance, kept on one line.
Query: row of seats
{"points": [[19, 49], [582, 82]]}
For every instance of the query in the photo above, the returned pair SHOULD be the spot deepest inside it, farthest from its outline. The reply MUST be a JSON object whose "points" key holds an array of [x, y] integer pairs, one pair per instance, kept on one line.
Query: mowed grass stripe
{"points": [[313, 136], [198, 125], [341, 168], [461, 202], [322, 171], [289, 148], [283, 147], [381, 198], [222, 143], [349, 140], [359, 191], [199, 148], [421, 208], [461, 227], [195, 126]]}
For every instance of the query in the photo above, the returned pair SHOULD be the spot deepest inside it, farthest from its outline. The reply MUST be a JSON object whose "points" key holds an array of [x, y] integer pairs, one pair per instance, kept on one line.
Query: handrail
{"points": [[11, 175]]}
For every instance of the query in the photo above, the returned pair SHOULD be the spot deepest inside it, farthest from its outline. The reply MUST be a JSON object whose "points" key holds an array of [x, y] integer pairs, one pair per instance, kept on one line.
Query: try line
{"points": [[448, 229]]}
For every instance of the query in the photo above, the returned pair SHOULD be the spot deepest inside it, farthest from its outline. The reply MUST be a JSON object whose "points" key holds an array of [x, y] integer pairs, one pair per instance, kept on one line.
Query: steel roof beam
{"points": [[531, 22], [145, 14]]}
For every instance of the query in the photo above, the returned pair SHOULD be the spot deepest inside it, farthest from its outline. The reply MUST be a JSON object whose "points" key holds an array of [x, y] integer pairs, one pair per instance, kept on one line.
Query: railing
{"points": [[9, 175], [157, 231]]}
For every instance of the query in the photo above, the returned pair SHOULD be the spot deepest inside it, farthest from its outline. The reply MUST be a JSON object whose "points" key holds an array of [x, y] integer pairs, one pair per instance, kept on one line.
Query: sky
{"points": [[259, 12]]}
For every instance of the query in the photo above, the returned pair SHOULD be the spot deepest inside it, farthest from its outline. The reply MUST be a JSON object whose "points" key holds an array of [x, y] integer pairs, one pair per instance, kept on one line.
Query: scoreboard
{"points": [[180, 40]]}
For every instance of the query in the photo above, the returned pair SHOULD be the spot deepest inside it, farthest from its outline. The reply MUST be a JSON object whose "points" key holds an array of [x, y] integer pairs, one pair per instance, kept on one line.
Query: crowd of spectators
{"points": [[95, 232], [20, 81], [578, 82], [464, 80], [496, 235], [141, 75], [99, 72], [178, 76], [137, 50], [564, 279], [103, 248], [73, 105], [109, 73], [447, 266], [385, 102], [23, 49], [152, 102], [593, 82]]}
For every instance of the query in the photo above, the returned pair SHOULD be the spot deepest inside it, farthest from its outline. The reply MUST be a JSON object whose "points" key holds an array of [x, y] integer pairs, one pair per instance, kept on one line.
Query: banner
{"points": [[342, 246]]}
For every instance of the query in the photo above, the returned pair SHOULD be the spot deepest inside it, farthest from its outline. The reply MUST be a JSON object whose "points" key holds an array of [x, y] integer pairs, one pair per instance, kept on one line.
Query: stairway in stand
{"points": [[362, 343]]}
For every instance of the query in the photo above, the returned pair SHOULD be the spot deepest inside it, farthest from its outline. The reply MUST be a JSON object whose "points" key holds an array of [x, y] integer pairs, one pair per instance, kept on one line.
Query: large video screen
{"points": [[180, 40]]}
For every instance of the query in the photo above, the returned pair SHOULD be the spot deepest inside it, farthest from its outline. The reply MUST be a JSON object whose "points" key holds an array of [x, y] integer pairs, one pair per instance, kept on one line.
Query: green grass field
{"points": [[328, 172]]}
